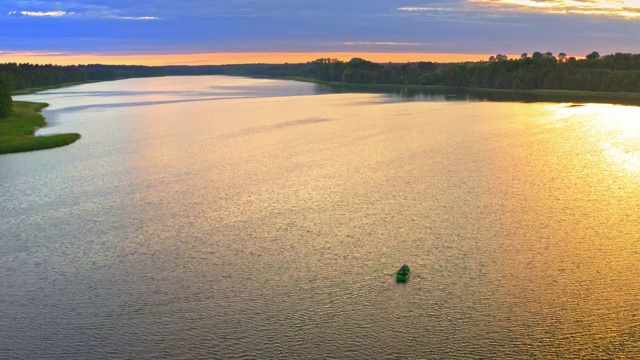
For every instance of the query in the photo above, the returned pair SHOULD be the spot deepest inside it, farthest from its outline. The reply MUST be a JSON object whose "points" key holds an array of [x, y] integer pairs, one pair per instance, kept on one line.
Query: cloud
{"points": [[423, 9], [459, 11], [107, 15], [134, 17], [35, 53], [96, 9], [41, 13], [385, 43], [628, 9]]}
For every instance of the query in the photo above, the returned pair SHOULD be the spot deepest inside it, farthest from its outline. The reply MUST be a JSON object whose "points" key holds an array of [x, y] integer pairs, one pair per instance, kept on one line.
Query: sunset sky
{"points": [[160, 32]]}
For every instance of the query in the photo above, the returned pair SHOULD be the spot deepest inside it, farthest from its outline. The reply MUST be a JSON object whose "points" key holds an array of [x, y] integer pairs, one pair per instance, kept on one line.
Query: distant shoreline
{"points": [[537, 95]]}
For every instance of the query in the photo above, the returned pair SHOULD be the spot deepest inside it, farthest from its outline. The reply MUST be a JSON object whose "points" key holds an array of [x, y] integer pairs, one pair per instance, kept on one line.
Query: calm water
{"points": [[230, 218]]}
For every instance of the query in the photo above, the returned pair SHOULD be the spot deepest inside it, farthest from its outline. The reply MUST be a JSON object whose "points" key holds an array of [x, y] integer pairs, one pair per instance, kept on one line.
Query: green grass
{"points": [[17, 130]]}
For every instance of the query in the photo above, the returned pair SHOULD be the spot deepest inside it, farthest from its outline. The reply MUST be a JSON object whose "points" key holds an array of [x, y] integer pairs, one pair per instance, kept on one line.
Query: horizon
{"points": [[231, 58], [217, 59]]}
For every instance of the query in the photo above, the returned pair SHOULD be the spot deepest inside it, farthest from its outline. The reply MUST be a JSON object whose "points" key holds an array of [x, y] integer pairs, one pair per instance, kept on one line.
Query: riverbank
{"points": [[18, 129]]}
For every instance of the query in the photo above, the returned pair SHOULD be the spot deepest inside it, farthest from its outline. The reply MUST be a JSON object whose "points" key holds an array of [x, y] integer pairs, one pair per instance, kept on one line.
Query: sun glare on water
{"points": [[623, 123], [616, 127]]}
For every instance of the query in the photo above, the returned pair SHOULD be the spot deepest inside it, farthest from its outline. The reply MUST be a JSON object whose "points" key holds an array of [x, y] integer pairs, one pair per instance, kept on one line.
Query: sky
{"points": [[190, 32]]}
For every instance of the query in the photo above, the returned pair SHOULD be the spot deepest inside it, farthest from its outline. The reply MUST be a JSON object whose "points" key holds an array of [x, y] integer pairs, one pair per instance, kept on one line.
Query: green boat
{"points": [[403, 273]]}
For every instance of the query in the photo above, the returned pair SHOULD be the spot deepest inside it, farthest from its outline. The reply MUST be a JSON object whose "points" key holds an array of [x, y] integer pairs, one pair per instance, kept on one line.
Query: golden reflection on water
{"points": [[616, 127], [568, 220]]}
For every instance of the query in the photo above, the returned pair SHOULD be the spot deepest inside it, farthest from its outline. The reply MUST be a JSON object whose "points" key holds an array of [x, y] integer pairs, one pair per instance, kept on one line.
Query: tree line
{"points": [[252, 70], [612, 73], [24, 76]]}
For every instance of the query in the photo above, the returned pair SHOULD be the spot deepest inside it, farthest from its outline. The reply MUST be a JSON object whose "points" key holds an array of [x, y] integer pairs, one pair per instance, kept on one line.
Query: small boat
{"points": [[403, 273]]}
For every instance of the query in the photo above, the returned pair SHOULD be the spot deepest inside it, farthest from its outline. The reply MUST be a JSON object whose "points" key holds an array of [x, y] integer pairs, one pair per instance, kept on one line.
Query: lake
{"points": [[232, 218]]}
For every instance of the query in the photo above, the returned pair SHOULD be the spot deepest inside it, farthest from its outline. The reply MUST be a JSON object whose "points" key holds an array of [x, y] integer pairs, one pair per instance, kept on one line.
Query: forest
{"points": [[24, 76], [610, 73]]}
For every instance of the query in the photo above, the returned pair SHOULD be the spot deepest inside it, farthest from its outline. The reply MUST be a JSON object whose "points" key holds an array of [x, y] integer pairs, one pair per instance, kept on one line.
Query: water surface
{"points": [[218, 217]]}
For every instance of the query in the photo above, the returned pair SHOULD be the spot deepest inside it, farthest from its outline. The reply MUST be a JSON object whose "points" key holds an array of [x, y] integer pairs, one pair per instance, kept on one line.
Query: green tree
{"points": [[562, 57], [327, 69], [6, 102], [593, 56]]}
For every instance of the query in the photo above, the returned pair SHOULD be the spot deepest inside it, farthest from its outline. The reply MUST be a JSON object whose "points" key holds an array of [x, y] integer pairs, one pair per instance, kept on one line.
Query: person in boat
{"points": [[404, 269]]}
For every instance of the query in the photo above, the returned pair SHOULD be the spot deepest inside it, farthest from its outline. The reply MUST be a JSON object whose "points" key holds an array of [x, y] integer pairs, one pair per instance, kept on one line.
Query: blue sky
{"points": [[194, 26]]}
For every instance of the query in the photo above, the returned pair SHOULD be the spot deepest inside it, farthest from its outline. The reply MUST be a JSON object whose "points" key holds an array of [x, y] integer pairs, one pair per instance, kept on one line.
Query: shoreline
{"points": [[17, 131], [537, 95]]}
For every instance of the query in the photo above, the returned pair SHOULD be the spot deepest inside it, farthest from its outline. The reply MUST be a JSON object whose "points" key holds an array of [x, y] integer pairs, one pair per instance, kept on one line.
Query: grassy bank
{"points": [[18, 129]]}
